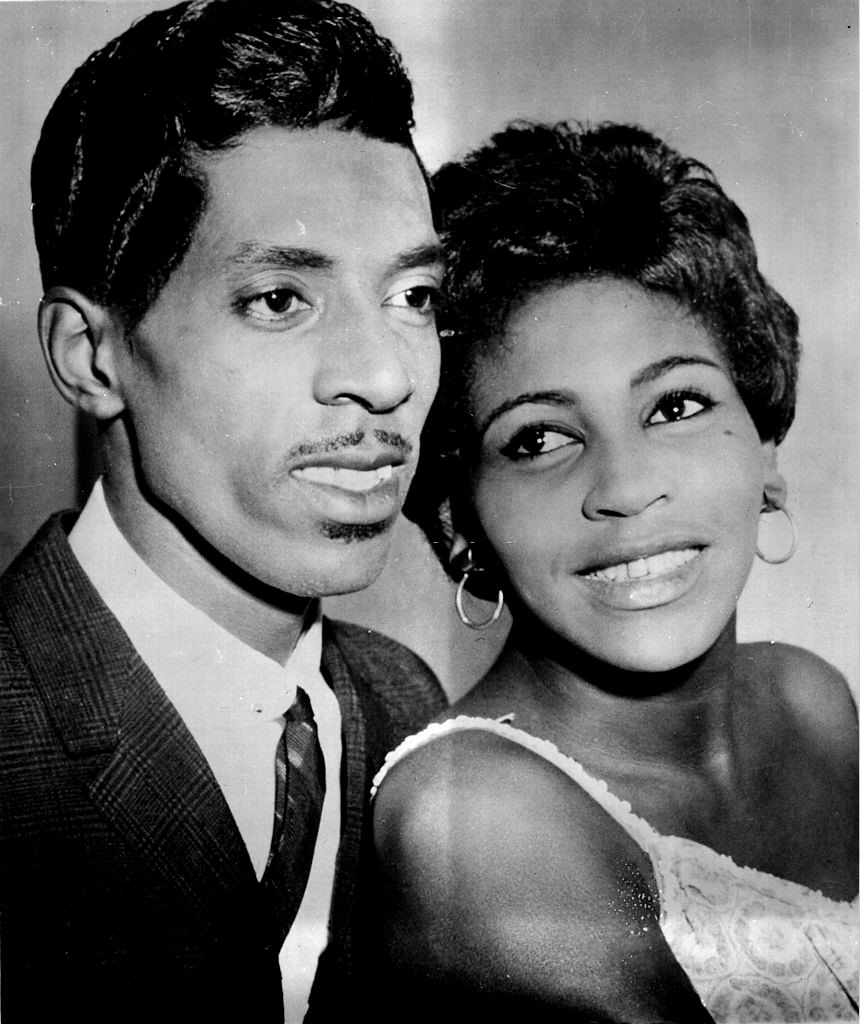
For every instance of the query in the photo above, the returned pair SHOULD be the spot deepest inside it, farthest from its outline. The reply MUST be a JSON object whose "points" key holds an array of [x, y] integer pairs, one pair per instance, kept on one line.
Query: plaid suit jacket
{"points": [[126, 892]]}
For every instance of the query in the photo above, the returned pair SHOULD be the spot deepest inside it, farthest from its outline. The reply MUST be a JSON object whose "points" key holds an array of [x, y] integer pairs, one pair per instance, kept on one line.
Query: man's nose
{"points": [[366, 362]]}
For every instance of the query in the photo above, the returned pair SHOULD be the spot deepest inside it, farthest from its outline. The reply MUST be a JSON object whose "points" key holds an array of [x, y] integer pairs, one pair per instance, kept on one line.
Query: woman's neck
{"points": [[678, 719]]}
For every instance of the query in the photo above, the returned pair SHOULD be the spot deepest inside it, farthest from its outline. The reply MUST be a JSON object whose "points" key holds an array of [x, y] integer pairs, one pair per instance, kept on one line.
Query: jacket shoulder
{"points": [[28, 587], [388, 674], [61, 648], [45, 562]]}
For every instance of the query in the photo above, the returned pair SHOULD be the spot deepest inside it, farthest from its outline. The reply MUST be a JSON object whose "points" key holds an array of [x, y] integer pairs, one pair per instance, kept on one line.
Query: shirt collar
{"points": [[179, 641]]}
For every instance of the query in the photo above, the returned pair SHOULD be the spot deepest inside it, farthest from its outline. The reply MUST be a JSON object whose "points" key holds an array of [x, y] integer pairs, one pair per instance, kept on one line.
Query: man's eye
{"points": [[535, 441], [681, 405], [420, 299], [276, 304]]}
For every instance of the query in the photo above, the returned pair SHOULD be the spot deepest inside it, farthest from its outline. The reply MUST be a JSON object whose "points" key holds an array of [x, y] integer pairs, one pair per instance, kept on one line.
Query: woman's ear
{"points": [[79, 340], [775, 489]]}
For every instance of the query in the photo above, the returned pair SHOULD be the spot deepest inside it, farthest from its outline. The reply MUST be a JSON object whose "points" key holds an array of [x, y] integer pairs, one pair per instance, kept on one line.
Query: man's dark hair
{"points": [[541, 205], [117, 192]]}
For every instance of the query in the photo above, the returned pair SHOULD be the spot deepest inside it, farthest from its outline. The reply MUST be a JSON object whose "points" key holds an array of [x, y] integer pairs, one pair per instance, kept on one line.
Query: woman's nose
{"points": [[626, 480]]}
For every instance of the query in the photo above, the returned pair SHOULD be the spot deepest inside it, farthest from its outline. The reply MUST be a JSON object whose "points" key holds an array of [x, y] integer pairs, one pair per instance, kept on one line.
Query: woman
{"points": [[631, 817]]}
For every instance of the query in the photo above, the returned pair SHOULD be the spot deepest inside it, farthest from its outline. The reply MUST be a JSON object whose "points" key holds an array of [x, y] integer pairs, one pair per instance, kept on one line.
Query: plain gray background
{"points": [[764, 91]]}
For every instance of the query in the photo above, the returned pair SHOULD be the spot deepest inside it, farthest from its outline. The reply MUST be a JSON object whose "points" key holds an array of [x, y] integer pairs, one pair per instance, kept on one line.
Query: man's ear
{"points": [[79, 340], [775, 489]]}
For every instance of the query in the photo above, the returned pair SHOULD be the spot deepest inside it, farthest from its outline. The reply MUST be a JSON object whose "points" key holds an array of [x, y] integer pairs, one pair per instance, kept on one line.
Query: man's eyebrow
{"points": [[428, 254], [562, 397], [653, 371], [297, 257], [286, 257]]}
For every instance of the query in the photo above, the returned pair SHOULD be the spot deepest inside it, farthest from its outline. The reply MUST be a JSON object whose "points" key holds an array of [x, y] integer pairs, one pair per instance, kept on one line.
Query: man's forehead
{"points": [[313, 168], [318, 190]]}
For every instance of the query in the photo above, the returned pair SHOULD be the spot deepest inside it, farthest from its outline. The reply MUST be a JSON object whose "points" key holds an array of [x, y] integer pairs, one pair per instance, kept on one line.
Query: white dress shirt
{"points": [[232, 698]]}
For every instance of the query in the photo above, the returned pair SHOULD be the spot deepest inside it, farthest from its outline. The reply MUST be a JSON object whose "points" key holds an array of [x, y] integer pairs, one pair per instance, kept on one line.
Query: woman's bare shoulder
{"points": [[815, 694], [502, 875], [470, 784]]}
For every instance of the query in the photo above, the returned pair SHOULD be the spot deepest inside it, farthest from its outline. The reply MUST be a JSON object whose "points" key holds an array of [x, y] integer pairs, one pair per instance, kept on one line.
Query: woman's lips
{"points": [[645, 582], [650, 566]]}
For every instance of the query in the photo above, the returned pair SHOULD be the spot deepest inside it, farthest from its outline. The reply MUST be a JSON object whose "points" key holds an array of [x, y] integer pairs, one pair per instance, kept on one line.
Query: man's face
{"points": [[276, 388]]}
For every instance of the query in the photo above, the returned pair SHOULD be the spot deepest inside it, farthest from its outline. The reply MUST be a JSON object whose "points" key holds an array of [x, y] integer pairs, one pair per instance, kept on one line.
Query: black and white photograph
{"points": [[428, 510]]}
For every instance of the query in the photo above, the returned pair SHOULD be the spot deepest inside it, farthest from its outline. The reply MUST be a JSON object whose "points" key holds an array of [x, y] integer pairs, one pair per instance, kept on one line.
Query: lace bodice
{"points": [[755, 947]]}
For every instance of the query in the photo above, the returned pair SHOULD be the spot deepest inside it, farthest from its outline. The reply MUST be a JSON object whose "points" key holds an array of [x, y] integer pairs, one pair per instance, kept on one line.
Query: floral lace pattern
{"points": [[755, 947]]}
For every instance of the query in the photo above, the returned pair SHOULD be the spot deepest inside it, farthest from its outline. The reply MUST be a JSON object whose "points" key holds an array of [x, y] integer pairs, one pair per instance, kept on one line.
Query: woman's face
{"points": [[620, 477]]}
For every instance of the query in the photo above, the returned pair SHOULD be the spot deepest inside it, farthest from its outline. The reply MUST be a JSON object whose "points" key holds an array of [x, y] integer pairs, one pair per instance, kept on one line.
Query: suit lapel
{"points": [[354, 784], [154, 784], [159, 792]]}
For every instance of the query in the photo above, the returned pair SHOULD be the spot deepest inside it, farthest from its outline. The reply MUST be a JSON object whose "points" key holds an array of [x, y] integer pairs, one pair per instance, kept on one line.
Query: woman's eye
{"points": [[274, 305], [678, 406], [420, 300], [535, 441]]}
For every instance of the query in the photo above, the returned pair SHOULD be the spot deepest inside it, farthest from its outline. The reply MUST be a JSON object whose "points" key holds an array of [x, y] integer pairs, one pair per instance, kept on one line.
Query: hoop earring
{"points": [[773, 506], [469, 568]]}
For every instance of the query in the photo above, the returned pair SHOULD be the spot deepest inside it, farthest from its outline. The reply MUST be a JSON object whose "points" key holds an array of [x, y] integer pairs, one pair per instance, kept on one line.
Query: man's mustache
{"points": [[388, 438]]}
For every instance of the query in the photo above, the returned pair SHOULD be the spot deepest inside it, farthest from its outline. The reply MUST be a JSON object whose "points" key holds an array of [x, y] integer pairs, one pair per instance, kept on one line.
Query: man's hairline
{"points": [[191, 158]]}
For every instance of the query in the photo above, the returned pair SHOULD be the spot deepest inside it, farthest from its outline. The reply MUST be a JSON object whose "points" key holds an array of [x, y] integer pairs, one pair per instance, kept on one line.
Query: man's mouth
{"points": [[346, 478], [644, 568]]}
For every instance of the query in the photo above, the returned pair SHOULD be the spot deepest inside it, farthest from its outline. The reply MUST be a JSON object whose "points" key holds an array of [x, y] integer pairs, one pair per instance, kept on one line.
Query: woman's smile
{"points": [[645, 582], [644, 566], [620, 475]]}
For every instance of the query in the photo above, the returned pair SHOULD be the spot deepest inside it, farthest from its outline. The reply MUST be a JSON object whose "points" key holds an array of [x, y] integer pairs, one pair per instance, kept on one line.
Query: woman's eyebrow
{"points": [[653, 371], [562, 397], [565, 397]]}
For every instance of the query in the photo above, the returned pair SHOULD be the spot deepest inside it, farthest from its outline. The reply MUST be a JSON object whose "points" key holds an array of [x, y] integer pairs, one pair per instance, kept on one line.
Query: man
{"points": [[240, 268]]}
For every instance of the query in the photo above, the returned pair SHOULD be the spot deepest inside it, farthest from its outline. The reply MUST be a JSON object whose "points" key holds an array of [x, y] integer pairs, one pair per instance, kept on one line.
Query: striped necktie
{"points": [[299, 792]]}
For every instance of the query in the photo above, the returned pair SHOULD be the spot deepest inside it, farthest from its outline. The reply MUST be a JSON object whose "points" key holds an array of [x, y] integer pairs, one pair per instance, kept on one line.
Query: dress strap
{"points": [[638, 829]]}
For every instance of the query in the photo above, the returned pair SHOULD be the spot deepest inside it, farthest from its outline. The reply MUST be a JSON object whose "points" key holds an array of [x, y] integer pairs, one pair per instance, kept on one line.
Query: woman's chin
{"points": [[602, 655]]}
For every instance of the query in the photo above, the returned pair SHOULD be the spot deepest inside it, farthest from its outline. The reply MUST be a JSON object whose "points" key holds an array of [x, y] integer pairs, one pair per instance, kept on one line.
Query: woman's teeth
{"points": [[347, 479], [653, 565]]}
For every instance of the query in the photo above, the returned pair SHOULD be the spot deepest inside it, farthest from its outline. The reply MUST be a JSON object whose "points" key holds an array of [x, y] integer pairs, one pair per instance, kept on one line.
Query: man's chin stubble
{"points": [[349, 533]]}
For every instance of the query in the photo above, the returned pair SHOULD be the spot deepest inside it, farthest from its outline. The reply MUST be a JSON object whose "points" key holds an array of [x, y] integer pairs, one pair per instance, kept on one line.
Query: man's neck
{"points": [[261, 616]]}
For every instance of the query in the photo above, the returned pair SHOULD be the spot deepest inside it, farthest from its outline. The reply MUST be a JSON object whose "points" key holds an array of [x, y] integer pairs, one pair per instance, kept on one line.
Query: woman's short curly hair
{"points": [[544, 204]]}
